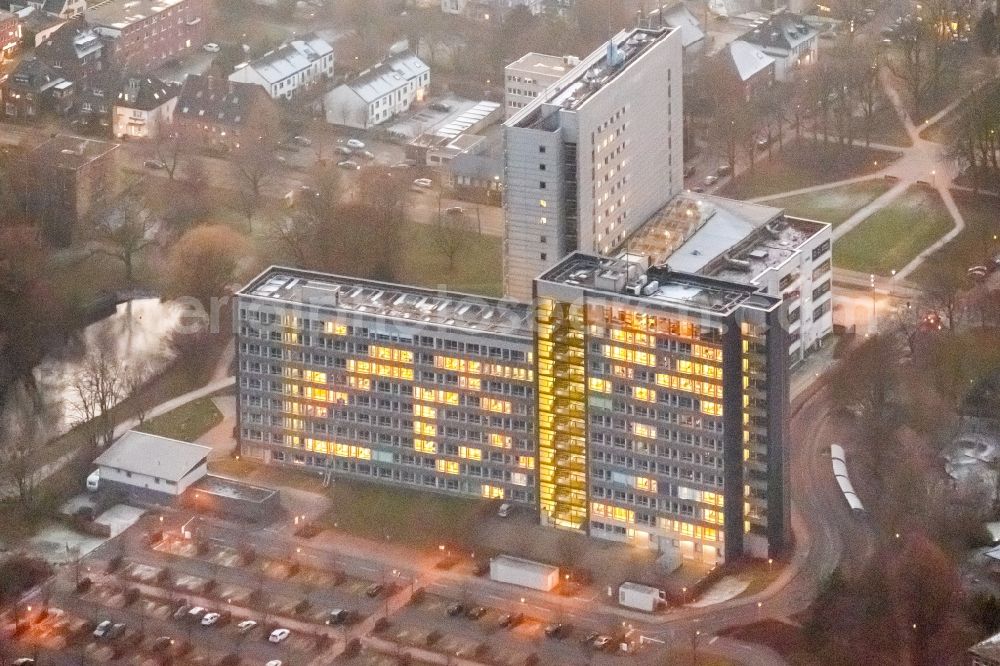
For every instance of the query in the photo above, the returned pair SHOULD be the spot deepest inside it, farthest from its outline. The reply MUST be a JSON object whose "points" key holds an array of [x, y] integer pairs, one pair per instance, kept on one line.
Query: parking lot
{"points": [[159, 596]]}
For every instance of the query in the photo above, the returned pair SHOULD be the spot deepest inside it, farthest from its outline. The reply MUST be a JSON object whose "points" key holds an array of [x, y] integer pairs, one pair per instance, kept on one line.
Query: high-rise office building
{"points": [[594, 155], [386, 383], [631, 403], [662, 407]]}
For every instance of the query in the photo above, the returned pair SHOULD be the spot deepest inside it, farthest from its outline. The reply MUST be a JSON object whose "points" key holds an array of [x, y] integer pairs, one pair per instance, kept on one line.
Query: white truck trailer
{"points": [[642, 597], [516, 571]]}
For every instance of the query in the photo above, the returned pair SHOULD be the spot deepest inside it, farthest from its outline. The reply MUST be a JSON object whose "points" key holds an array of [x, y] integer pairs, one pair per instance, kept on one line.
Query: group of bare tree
{"points": [[974, 137]]}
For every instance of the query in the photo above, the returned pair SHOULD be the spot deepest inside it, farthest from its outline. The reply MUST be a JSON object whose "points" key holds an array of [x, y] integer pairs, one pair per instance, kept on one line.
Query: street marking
{"points": [[714, 638]]}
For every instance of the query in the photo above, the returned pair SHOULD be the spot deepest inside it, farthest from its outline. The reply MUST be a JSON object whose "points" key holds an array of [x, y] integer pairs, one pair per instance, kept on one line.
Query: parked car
{"points": [[723, 170], [23, 661], [556, 630], [338, 616], [302, 140], [689, 171], [475, 612], [601, 642], [367, 154], [211, 619], [510, 620], [349, 164], [355, 144], [425, 183], [246, 626], [212, 47], [374, 590], [161, 643], [454, 210], [344, 150], [505, 510], [181, 612], [454, 609], [94, 480], [116, 630], [273, 662], [154, 164], [103, 629], [196, 614], [441, 106], [978, 272], [278, 635], [710, 180]]}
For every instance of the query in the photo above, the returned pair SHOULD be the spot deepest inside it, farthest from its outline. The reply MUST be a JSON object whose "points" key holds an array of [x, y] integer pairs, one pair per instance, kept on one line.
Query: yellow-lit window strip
{"points": [[496, 405], [711, 408], [492, 492], [703, 369], [706, 353], [447, 466], [426, 429], [527, 462], [458, 365], [643, 393], [300, 409], [689, 530], [612, 512], [470, 453], [600, 385], [314, 376], [508, 372], [629, 355], [689, 385], [435, 395], [380, 369], [390, 354], [425, 411], [425, 446], [714, 517], [645, 484], [632, 338], [500, 441], [337, 449], [333, 328], [643, 430], [360, 383]]}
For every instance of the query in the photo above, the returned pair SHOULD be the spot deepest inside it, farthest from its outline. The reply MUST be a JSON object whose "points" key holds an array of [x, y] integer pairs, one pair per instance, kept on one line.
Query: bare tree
{"points": [[124, 232], [923, 53], [22, 434], [171, 147], [99, 385], [449, 235]]}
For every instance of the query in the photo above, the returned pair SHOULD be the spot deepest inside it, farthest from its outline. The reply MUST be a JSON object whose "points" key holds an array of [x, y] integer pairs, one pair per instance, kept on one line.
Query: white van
{"points": [[94, 480]]}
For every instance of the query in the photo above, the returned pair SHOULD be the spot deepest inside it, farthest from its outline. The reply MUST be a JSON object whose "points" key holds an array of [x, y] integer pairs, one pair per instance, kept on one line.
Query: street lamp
{"points": [[684, 598]]}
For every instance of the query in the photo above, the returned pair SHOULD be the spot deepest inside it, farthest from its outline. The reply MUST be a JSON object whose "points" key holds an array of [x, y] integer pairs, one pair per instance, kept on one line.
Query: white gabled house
{"points": [[379, 93], [289, 68], [152, 467]]}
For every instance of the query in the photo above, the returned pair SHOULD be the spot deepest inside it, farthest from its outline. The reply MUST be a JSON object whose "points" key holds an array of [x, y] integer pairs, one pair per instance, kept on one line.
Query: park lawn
{"points": [[805, 163], [892, 237], [186, 423], [401, 515], [974, 246], [835, 205], [477, 266]]}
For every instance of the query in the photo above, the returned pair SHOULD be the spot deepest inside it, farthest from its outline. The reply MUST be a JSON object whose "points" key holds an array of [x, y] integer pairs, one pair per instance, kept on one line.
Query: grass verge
{"points": [[977, 243], [805, 163], [186, 423], [835, 205], [892, 237]]}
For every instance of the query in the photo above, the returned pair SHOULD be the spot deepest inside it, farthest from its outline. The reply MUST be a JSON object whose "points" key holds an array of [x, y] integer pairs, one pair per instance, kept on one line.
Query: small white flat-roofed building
{"points": [[379, 94], [528, 77], [290, 68], [151, 467]]}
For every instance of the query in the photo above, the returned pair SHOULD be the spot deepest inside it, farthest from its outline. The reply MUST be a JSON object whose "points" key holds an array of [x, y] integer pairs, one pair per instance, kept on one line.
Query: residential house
{"points": [[751, 70], [143, 107], [788, 39], [63, 180], [63, 9], [34, 88], [150, 467], [379, 93], [692, 34], [94, 101], [10, 34], [75, 51], [142, 35], [289, 69], [37, 26], [218, 112]]}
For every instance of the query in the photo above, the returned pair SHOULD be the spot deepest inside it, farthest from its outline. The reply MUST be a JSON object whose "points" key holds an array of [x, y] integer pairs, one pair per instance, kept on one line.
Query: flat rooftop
{"points": [[628, 276], [232, 489], [123, 13], [543, 65], [593, 73], [724, 238], [335, 293], [72, 152]]}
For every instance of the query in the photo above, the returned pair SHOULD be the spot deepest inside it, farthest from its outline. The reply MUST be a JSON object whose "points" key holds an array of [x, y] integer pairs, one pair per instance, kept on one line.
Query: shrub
{"points": [[380, 625], [433, 637], [84, 585], [210, 585], [115, 563], [353, 648], [302, 607], [131, 596], [418, 596], [21, 573]]}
